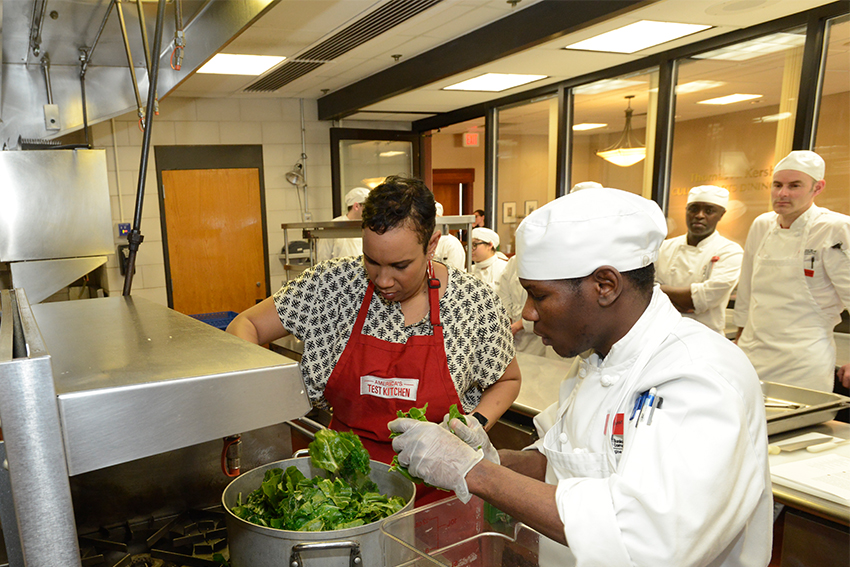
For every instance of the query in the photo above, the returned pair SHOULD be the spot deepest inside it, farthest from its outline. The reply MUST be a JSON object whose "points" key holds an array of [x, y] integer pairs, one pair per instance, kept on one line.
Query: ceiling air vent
{"points": [[369, 27]]}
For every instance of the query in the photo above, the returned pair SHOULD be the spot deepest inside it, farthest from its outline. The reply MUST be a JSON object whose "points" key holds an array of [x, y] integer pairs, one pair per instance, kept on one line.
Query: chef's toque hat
{"points": [[709, 194], [574, 235], [439, 208], [356, 195], [804, 161], [486, 235], [585, 185]]}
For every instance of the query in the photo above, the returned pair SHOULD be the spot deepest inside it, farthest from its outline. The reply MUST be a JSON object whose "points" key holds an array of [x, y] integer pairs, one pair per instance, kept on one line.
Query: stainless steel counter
{"points": [[135, 379]]}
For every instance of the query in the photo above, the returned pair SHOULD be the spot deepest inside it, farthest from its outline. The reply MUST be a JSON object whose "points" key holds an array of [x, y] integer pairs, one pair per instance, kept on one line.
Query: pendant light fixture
{"points": [[628, 150]]}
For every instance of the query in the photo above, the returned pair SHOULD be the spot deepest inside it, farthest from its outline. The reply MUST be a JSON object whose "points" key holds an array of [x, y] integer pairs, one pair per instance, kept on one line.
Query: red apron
{"points": [[374, 379]]}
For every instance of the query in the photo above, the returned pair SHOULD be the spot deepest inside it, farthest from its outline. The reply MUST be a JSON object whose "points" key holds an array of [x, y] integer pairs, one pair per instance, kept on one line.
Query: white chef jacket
{"points": [[513, 297], [328, 248], [710, 269], [825, 256], [489, 270], [450, 252], [690, 488]]}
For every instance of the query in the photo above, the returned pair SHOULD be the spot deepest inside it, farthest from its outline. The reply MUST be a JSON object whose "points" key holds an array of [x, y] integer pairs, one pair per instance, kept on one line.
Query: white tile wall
{"points": [[274, 123]]}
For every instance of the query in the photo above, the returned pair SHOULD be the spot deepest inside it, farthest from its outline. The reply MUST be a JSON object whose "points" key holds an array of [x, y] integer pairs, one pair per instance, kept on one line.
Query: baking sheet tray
{"points": [[789, 407]]}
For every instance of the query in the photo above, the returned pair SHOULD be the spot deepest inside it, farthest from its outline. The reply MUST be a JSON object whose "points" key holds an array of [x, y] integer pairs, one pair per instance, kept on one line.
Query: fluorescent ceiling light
{"points": [[494, 82], [755, 48], [392, 153], [607, 85], [730, 99], [228, 64], [637, 36], [696, 86], [773, 117], [588, 126]]}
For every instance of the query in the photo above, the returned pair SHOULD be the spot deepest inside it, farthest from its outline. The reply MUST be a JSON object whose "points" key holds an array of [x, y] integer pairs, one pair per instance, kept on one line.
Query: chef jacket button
{"points": [[562, 437], [606, 381], [582, 371]]}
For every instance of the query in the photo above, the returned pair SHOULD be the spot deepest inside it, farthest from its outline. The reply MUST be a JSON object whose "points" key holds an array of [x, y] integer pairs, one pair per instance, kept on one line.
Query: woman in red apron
{"points": [[374, 378]]}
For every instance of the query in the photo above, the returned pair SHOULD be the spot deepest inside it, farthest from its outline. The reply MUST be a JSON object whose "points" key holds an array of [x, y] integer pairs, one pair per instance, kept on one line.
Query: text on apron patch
{"points": [[389, 388]]}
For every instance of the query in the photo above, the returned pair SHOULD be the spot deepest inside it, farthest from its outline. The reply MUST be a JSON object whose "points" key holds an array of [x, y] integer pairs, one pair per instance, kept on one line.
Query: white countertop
{"points": [[799, 497]]}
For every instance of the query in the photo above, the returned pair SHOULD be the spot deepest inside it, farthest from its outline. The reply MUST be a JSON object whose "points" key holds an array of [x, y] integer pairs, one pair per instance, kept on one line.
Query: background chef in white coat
{"points": [[513, 297], [699, 270], [489, 263], [620, 481], [328, 248], [795, 280], [449, 250]]}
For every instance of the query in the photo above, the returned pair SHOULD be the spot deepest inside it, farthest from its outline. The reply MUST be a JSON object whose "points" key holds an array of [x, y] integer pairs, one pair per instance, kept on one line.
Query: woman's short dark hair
{"points": [[399, 201]]}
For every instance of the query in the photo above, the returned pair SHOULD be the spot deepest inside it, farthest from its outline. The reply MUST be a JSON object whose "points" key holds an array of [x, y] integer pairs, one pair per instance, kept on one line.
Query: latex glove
{"points": [[473, 435], [434, 454]]}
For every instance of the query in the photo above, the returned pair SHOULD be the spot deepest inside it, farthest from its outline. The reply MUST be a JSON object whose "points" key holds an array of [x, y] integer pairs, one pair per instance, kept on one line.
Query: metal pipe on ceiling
{"points": [[135, 237], [130, 59]]}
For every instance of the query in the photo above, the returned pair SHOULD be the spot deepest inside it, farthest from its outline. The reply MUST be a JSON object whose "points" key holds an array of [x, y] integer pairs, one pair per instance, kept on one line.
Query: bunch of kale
{"points": [[288, 500]]}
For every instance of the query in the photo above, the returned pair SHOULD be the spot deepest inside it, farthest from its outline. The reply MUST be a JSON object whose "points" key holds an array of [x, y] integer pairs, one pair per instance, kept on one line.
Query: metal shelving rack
{"points": [[313, 231]]}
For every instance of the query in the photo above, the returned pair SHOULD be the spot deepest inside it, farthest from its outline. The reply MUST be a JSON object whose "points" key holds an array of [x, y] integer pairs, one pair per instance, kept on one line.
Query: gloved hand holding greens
{"points": [[287, 500], [419, 414]]}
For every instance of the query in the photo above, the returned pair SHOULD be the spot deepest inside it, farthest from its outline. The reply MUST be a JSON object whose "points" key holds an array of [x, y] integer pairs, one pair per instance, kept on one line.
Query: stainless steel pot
{"points": [[257, 546]]}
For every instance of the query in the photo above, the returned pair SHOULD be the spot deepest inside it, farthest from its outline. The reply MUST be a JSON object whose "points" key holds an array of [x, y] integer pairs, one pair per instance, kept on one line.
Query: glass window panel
{"points": [[526, 162], [600, 113], [734, 145], [833, 134], [365, 163], [457, 167]]}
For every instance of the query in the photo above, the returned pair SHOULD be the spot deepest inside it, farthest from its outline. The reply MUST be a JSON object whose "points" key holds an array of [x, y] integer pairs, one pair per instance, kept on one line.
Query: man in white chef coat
{"points": [[328, 248], [795, 280], [449, 250], [699, 270], [489, 264], [656, 451]]}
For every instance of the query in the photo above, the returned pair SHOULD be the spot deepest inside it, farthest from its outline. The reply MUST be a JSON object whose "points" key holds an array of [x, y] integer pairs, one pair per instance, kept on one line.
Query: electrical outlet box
{"points": [[51, 117], [308, 216], [123, 228]]}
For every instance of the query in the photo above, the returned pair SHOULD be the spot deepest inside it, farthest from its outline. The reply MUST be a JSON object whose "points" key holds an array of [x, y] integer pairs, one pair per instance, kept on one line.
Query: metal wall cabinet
{"points": [[89, 384]]}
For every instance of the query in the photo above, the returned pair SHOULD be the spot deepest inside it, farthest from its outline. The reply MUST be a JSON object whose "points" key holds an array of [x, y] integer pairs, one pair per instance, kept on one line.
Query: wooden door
{"points": [[214, 230], [447, 185]]}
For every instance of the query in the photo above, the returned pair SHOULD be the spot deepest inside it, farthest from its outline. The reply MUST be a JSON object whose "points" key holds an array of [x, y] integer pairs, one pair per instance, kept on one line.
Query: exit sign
{"points": [[470, 140]]}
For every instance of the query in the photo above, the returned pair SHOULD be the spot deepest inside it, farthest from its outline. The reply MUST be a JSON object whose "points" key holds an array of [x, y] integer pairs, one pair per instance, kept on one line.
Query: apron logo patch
{"points": [[809, 257], [389, 388], [617, 434]]}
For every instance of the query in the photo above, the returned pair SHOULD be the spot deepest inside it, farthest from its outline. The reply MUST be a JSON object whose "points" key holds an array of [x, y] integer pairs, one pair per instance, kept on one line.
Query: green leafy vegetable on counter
{"points": [[419, 414], [288, 500]]}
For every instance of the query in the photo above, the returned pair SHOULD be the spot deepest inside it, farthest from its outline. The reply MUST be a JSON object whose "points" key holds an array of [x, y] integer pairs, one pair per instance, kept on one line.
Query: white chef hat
{"points": [[439, 208], [486, 235], [709, 194], [585, 185], [356, 195], [805, 161], [574, 235]]}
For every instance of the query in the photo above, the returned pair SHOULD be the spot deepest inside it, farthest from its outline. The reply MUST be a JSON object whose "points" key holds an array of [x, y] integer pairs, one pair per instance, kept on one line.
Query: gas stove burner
{"points": [[197, 538]]}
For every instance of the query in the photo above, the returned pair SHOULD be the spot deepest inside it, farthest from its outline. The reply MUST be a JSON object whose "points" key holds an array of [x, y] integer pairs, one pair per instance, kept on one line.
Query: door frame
{"points": [[169, 158]]}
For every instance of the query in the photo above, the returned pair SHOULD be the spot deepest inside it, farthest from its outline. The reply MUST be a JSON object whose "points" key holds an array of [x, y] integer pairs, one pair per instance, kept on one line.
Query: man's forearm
{"points": [[529, 501], [680, 297]]}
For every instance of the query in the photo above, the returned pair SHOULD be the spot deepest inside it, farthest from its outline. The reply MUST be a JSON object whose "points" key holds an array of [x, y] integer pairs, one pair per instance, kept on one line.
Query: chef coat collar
{"points": [[705, 241], [486, 263], [624, 353], [801, 221]]}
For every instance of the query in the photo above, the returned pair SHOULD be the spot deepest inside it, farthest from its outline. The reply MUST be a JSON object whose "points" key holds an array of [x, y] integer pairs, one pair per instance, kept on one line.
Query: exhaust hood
{"points": [[42, 42]]}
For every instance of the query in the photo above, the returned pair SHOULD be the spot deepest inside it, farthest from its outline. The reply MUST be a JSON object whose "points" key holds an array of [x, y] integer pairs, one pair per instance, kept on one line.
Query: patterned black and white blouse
{"points": [[321, 305]]}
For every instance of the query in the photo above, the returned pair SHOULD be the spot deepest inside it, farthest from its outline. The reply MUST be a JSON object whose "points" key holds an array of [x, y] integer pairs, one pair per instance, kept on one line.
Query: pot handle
{"points": [[355, 560], [301, 453]]}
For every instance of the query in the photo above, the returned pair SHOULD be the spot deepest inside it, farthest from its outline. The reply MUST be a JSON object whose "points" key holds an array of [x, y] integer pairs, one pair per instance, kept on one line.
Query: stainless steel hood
{"points": [[48, 35]]}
